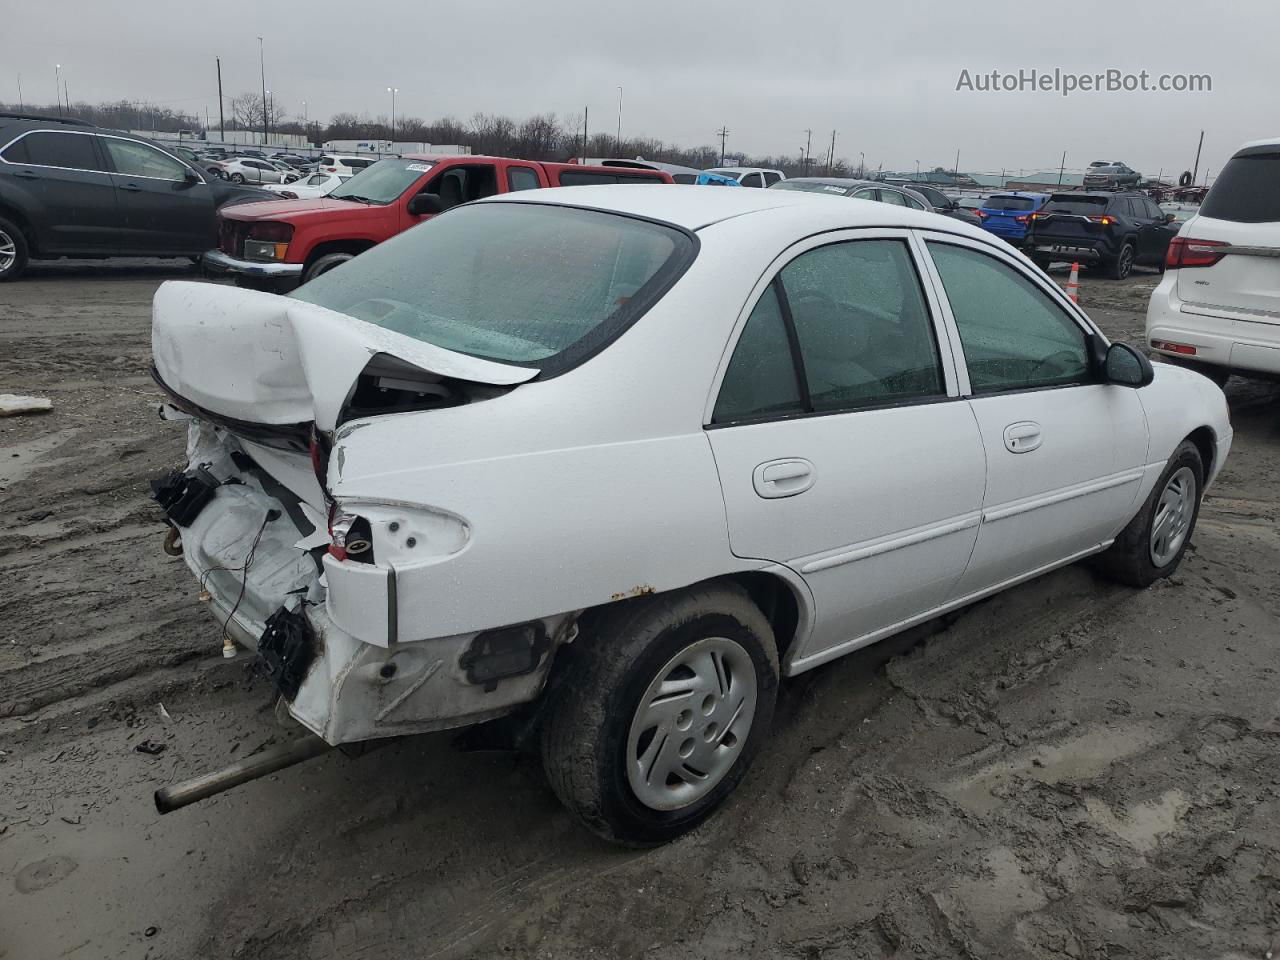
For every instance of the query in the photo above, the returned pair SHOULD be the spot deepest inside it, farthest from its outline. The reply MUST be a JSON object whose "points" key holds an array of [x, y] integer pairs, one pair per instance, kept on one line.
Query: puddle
{"points": [[1081, 758], [21, 459], [1144, 823]]}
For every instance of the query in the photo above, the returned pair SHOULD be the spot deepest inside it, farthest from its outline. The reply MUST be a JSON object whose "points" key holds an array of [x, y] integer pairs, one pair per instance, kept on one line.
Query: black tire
{"points": [[1129, 560], [12, 235], [606, 674], [237, 178], [1122, 265], [325, 264]]}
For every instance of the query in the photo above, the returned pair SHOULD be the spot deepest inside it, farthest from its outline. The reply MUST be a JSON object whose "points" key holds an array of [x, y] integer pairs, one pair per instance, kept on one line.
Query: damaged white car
{"points": [[608, 461]]}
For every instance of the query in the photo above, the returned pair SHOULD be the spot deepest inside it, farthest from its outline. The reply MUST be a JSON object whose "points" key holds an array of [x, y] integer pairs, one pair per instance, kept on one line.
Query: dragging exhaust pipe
{"points": [[178, 795]]}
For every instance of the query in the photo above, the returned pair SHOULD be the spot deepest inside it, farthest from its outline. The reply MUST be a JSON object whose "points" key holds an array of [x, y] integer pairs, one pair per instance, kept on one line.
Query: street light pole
{"points": [[619, 138], [262, 70], [57, 86], [862, 165], [393, 91]]}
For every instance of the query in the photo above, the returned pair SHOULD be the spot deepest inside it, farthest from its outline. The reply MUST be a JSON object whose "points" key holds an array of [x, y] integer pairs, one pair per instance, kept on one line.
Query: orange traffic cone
{"points": [[1073, 283]]}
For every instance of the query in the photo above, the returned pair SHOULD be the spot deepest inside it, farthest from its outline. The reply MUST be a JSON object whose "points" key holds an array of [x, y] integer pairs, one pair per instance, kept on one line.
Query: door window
{"points": [[893, 197], [1014, 336], [771, 178], [761, 378], [139, 160], [72, 151], [872, 194], [522, 178], [864, 335], [752, 180]]}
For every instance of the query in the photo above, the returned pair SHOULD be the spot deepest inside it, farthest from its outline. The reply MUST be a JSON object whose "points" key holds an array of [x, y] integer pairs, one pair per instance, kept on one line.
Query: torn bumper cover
{"points": [[326, 629]]}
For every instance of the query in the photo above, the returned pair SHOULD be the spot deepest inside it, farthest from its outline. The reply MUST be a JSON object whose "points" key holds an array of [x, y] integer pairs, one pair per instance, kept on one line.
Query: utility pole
{"points": [[862, 165], [222, 124], [586, 115], [619, 139], [917, 169], [393, 91], [1062, 167], [20, 106], [262, 70], [723, 134], [66, 96], [1196, 169], [831, 154], [808, 142], [955, 171], [57, 86]]}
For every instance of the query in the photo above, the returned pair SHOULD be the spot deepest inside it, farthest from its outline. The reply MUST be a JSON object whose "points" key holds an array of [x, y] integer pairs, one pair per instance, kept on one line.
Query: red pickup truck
{"points": [[278, 243]]}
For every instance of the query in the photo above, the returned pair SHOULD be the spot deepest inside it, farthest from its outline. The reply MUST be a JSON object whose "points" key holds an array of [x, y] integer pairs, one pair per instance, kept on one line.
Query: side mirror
{"points": [[192, 178], [424, 204], [1126, 366], [1170, 217]]}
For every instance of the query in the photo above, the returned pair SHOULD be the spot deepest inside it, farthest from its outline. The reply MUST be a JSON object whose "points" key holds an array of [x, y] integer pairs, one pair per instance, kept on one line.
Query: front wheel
{"points": [[13, 251], [662, 707], [1153, 543], [325, 264]]}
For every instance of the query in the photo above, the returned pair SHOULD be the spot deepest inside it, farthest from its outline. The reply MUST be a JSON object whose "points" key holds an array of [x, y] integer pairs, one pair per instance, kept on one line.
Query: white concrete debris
{"points": [[13, 405]]}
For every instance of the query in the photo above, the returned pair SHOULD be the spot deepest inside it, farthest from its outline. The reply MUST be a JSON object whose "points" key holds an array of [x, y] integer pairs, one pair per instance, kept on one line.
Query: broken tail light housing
{"points": [[1186, 252], [350, 537]]}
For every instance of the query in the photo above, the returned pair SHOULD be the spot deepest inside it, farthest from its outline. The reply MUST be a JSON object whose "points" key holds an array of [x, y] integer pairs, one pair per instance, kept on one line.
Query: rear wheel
{"points": [[237, 178], [1153, 543], [664, 703], [13, 251], [1122, 265]]}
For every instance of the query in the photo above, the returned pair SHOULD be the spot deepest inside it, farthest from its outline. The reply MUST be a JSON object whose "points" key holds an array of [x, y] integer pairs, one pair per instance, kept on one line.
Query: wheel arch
{"points": [[14, 215], [353, 246], [1205, 442]]}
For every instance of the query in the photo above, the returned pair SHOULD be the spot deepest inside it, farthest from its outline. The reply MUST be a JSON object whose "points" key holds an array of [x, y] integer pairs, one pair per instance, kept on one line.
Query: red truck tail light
{"points": [[1186, 252]]}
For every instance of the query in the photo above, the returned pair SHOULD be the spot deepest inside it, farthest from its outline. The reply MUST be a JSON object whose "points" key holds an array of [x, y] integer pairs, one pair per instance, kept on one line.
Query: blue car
{"points": [[1007, 215], [706, 179]]}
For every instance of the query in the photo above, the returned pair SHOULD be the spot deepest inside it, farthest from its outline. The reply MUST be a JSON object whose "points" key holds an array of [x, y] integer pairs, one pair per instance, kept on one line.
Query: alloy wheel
{"points": [[8, 251], [691, 724]]}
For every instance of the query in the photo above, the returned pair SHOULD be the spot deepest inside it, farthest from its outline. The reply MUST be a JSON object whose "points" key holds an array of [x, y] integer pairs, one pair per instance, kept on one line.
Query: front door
{"points": [[1064, 452], [163, 212], [65, 175], [843, 447]]}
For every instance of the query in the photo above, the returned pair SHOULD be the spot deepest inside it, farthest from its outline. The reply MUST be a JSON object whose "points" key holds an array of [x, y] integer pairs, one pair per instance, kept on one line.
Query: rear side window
{"points": [[752, 180], [73, 151], [771, 178], [1010, 203], [761, 378], [1087, 206], [522, 178], [526, 283], [1014, 336], [1247, 190], [685, 177], [357, 163]]}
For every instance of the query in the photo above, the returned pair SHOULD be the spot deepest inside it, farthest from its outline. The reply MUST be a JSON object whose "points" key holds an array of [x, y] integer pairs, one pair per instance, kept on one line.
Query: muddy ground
{"points": [[1072, 769]]}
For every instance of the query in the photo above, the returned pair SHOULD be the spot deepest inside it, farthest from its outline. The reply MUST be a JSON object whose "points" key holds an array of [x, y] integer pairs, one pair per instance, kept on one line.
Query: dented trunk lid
{"points": [[265, 364]]}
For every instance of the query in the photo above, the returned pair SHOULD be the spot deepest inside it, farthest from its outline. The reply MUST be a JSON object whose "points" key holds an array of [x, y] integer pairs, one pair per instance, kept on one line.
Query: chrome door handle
{"points": [[1023, 436], [783, 478]]}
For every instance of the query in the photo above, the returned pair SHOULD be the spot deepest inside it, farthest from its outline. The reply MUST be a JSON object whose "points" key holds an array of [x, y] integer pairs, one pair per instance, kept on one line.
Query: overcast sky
{"points": [[883, 75]]}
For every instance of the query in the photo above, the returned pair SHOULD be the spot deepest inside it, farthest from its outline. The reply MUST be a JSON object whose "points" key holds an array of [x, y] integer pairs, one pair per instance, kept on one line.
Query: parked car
{"points": [[394, 585], [751, 176], [1182, 212], [1218, 306], [275, 245], [946, 205], [705, 178], [1111, 231], [679, 174], [70, 189], [316, 185], [857, 189], [344, 163], [1110, 175], [292, 159], [253, 170], [1008, 215]]}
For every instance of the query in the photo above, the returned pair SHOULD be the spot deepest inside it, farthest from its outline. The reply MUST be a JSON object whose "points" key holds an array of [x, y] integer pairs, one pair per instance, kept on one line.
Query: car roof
{"points": [[694, 208], [1026, 194], [742, 170]]}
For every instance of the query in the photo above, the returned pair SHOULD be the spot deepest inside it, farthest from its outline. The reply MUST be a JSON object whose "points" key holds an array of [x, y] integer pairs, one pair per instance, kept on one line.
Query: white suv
{"points": [[344, 164], [1218, 307]]}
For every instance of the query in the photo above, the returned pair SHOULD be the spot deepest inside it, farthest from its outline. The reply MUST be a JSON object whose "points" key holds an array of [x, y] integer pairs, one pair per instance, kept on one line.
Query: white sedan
{"points": [[253, 170], [316, 185], [610, 461]]}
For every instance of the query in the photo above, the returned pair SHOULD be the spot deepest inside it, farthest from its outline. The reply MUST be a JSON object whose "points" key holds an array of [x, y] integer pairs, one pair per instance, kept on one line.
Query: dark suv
{"points": [[1108, 230], [70, 189]]}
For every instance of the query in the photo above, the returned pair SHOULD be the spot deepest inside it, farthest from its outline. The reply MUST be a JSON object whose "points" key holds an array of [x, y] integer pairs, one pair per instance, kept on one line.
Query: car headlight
{"points": [[268, 241]]}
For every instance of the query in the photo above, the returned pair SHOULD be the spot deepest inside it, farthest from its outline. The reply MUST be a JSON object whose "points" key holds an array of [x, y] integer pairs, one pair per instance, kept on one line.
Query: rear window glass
{"points": [[1086, 205], [73, 151], [584, 178], [1247, 190], [1009, 203], [515, 282]]}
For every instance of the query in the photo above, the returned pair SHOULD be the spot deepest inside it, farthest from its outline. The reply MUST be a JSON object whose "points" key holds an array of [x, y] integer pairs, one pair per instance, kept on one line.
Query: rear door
{"points": [[72, 198], [1064, 453], [1242, 210], [843, 447], [163, 211]]}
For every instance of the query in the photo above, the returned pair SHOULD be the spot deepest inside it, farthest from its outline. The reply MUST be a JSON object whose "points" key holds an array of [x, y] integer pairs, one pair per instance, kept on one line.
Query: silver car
{"points": [[858, 190], [253, 170]]}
